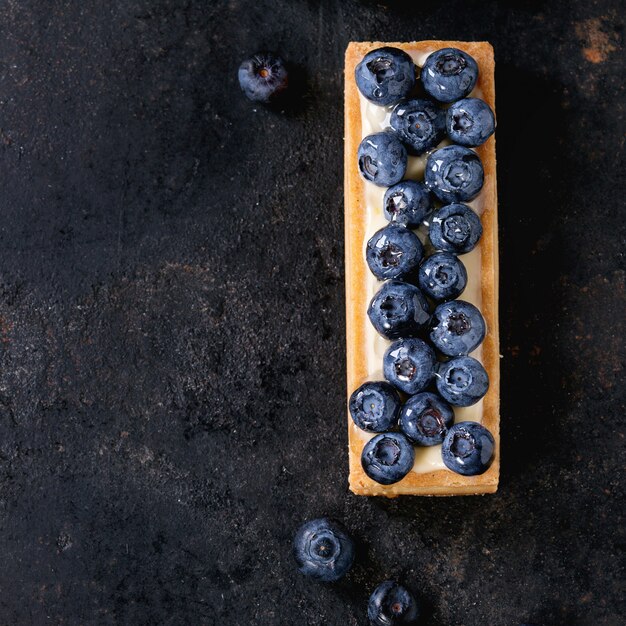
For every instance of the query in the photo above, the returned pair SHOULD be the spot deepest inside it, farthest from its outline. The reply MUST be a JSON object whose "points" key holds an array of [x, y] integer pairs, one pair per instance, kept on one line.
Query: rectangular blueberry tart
{"points": [[421, 268]]}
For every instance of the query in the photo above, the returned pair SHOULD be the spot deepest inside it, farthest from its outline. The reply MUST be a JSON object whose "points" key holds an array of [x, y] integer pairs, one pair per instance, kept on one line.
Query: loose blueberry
{"points": [[468, 449], [457, 328], [263, 77], [425, 419], [470, 122], [420, 124], [409, 365], [382, 159], [323, 550], [442, 276], [385, 76], [455, 228], [387, 458], [449, 74], [375, 407], [394, 252], [398, 310], [454, 174], [391, 604], [462, 381], [408, 203]]}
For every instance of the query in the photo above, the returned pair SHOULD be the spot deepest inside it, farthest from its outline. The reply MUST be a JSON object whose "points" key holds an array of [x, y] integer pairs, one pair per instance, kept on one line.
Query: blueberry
{"points": [[408, 203], [375, 407], [462, 381], [385, 76], [442, 276], [454, 174], [387, 458], [263, 77], [457, 328], [409, 365], [391, 604], [398, 310], [420, 124], [468, 449], [382, 159], [323, 550], [449, 74], [455, 228], [394, 252], [470, 122], [425, 419]]}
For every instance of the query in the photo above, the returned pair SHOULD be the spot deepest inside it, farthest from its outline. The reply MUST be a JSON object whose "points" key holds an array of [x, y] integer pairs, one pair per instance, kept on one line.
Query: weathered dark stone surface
{"points": [[172, 327]]}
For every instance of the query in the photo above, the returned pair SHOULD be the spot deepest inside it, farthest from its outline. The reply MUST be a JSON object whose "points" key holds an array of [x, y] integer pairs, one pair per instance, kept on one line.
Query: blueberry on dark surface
{"points": [[455, 228], [425, 419], [420, 124], [442, 276], [382, 159], [375, 407], [323, 550], [394, 252], [449, 74], [263, 77], [457, 328], [462, 381], [454, 174], [392, 604], [470, 122], [385, 76], [387, 458], [408, 203], [409, 365], [398, 310], [468, 449]]}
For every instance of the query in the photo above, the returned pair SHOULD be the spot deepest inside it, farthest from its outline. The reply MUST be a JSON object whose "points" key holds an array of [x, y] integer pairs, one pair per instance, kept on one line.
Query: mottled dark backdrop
{"points": [[172, 327]]}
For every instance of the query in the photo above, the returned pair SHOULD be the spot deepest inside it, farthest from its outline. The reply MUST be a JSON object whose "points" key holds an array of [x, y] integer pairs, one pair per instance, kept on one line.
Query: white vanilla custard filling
{"points": [[375, 119]]}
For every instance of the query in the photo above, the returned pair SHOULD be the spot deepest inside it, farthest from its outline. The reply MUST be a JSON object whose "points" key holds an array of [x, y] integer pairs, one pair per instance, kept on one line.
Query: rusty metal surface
{"points": [[171, 320]]}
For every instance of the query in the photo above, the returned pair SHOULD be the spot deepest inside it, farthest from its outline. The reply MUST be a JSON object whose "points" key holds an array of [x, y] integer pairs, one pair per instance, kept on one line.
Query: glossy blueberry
{"points": [[455, 228], [409, 365], [468, 449], [391, 604], [425, 419], [454, 174], [323, 550], [398, 310], [263, 77], [408, 203], [385, 76], [375, 407], [457, 328], [382, 159], [449, 74], [442, 276], [387, 458], [420, 124], [394, 252], [462, 381], [470, 122]]}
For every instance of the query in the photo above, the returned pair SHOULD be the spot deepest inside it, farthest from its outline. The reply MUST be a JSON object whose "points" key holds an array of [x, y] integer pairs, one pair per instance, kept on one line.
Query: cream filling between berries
{"points": [[374, 119]]}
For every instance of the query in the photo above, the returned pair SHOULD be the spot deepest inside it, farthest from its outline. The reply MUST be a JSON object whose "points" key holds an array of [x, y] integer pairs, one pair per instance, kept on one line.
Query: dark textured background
{"points": [[172, 327]]}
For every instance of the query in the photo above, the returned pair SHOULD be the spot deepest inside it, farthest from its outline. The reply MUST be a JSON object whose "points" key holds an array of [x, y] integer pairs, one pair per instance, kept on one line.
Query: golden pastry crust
{"points": [[440, 482]]}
